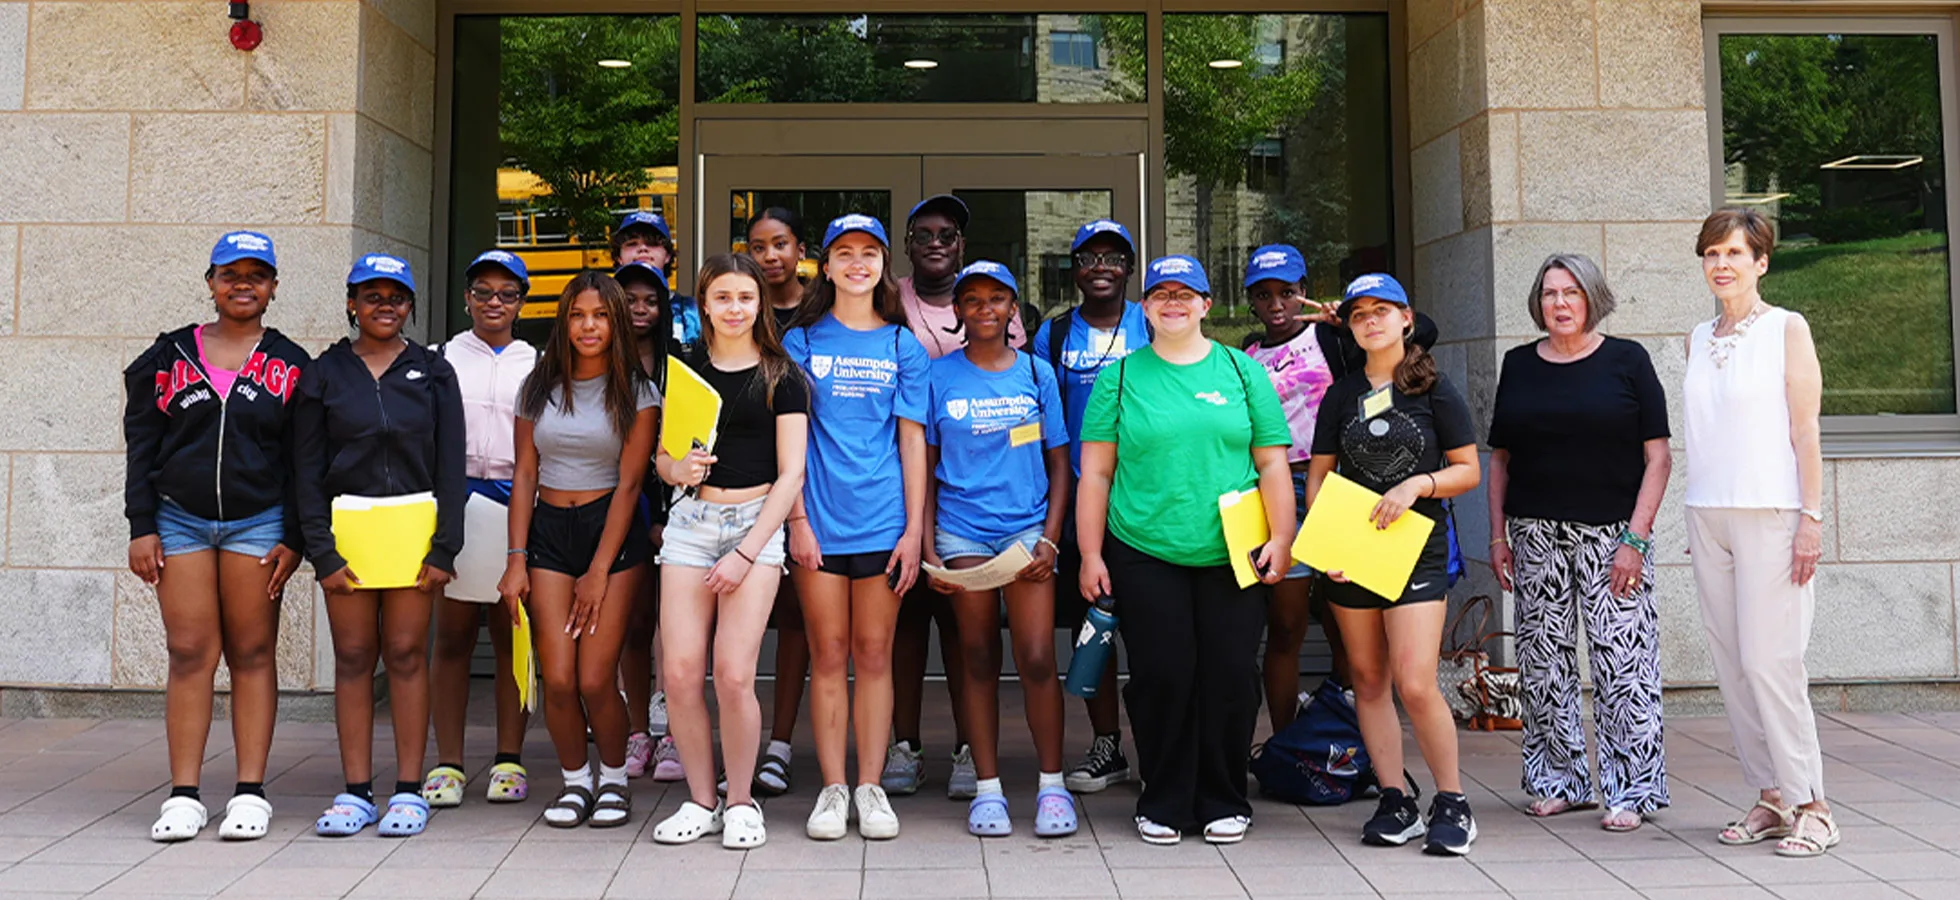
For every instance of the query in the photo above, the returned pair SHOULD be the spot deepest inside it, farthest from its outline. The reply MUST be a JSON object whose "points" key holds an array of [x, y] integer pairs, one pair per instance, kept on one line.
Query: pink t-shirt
{"points": [[1300, 374], [937, 327], [221, 379]]}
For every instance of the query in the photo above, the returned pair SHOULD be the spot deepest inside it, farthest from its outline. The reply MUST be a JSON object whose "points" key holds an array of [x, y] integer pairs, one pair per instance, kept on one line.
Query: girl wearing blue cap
{"points": [[642, 236], [1397, 428], [998, 449], [380, 416], [491, 364], [1168, 431], [208, 430], [857, 530]]}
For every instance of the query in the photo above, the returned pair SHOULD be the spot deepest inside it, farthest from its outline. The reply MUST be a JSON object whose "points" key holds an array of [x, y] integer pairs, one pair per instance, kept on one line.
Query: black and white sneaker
{"points": [[1451, 827], [1101, 767], [1397, 821]]}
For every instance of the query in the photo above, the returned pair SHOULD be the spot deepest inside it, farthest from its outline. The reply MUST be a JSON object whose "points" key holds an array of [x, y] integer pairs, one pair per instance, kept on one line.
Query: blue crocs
{"points": [[407, 815], [1054, 813], [348, 815], [986, 816]]}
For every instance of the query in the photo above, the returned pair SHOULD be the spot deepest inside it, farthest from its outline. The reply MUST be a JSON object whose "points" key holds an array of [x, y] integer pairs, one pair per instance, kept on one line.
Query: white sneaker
{"points": [[876, 821], [832, 816], [744, 829], [657, 714]]}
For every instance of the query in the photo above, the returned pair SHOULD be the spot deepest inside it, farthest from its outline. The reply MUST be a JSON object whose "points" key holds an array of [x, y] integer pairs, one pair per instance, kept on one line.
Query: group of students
{"points": [[869, 425]]}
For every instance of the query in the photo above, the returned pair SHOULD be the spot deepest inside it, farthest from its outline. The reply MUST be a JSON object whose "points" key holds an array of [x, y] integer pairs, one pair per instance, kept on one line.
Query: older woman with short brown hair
{"points": [[1579, 461]]}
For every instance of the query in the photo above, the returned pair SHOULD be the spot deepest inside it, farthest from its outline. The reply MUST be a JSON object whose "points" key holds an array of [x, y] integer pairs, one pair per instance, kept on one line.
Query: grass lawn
{"points": [[1882, 319]]}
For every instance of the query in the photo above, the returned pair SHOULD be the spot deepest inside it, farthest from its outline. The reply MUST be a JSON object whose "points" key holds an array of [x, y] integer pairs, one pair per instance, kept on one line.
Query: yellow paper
{"points": [[1244, 516], [384, 539], [1376, 402], [1022, 435], [689, 412], [522, 670], [1339, 537]]}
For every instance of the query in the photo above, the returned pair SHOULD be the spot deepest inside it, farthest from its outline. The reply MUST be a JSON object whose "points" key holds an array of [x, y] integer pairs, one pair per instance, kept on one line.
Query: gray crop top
{"points": [[579, 451]]}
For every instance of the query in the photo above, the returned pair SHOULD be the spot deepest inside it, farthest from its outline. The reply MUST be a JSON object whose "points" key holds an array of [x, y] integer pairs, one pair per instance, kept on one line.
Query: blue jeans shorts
{"points": [[1300, 569], [700, 533], [952, 546], [253, 535]]}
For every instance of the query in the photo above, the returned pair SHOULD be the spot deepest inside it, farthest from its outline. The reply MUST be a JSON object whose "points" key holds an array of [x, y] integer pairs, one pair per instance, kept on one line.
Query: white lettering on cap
{"points": [[1271, 259], [497, 256], [1173, 266], [386, 265], [856, 221], [246, 241], [1367, 283]]}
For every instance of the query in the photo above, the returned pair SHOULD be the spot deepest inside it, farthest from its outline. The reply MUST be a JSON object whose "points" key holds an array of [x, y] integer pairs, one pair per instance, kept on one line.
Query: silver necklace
{"points": [[1719, 348]]}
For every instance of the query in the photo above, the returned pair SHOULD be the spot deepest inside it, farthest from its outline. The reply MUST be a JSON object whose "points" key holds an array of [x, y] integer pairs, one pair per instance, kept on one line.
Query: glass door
{"points": [[1026, 210], [816, 188]]}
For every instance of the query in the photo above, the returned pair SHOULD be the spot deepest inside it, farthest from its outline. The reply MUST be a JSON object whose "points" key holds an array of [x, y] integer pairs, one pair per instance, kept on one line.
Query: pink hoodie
{"points": [[490, 382]]}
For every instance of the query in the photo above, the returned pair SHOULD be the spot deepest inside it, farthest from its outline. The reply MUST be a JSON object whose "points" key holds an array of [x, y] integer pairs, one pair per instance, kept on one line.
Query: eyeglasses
{"points": [[925, 237], [1184, 298], [1115, 259], [507, 296]]}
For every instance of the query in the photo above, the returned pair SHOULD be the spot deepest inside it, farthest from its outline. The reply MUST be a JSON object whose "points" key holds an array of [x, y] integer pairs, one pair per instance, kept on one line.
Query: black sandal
{"points": [[771, 765], [581, 811], [612, 798]]}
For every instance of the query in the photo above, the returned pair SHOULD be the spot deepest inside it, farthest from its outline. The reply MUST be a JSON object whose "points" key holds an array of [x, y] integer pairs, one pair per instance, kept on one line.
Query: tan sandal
{"points": [[1807, 840], [1739, 834], [1621, 821], [1547, 807]]}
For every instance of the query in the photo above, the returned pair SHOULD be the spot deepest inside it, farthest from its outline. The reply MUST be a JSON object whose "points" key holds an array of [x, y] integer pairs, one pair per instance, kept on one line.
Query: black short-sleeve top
{"points": [[1574, 431], [1407, 439], [745, 437]]}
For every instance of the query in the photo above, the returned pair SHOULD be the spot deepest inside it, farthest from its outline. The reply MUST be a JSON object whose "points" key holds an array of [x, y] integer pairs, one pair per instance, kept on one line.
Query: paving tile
{"points": [[1516, 876], [174, 881], [292, 882], [799, 853], [1667, 873], [1418, 874], [1908, 866], [1926, 890], [813, 884], [114, 851], [923, 853], [1186, 882], [545, 883], [446, 883], [605, 856], [1070, 881], [1735, 892], [1863, 891], [1770, 870], [58, 877], [672, 882], [14, 848], [207, 852], [908, 884], [1300, 880]]}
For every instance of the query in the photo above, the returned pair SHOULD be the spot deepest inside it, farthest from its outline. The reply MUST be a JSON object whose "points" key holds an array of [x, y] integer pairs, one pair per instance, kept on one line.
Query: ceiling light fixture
{"points": [[615, 64], [922, 64], [1226, 63]]}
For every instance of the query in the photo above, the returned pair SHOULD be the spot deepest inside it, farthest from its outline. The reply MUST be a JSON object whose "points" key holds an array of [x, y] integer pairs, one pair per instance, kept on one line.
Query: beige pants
{"points": [[1758, 626]]}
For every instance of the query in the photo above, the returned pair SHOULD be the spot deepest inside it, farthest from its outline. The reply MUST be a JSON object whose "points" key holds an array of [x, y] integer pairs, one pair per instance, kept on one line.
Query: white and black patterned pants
{"points": [[1562, 571]]}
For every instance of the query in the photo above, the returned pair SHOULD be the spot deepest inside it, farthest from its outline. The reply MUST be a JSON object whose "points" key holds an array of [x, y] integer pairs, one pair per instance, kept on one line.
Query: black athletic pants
{"points": [[1193, 697]]}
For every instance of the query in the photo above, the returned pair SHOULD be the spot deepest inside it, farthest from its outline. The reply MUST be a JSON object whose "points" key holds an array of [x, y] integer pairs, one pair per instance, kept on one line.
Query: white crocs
{"points": [[246, 818], [180, 820], [688, 824], [743, 828]]}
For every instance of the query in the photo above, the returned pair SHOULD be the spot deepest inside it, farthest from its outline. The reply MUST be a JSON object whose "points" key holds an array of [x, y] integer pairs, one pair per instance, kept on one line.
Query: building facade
{"points": [[1454, 142]]}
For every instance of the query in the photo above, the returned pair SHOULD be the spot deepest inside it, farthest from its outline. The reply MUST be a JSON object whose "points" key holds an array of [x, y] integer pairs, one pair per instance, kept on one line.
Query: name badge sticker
{"points": [[1022, 435], [1376, 402]]}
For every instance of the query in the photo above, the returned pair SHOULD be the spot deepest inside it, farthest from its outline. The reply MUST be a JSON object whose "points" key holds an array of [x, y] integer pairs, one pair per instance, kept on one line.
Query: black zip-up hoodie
{"points": [[223, 458], [402, 434]]}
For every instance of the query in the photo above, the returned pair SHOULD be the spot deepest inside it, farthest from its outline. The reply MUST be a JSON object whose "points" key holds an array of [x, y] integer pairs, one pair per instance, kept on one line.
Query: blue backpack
{"points": [[1318, 759]]}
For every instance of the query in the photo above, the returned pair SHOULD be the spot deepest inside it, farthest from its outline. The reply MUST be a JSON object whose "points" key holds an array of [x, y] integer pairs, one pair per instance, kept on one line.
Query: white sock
{"points": [[581, 776], [1048, 780], [778, 748], [989, 787], [612, 775]]}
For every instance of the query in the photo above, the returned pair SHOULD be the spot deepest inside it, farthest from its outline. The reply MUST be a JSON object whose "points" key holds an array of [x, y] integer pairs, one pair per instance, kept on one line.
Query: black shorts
{"points": [[856, 565], [565, 538], [1430, 580]]}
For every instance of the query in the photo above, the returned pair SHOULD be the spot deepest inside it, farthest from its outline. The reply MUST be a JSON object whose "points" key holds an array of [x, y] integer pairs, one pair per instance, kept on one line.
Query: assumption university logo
{"points": [[956, 408], [820, 365]]}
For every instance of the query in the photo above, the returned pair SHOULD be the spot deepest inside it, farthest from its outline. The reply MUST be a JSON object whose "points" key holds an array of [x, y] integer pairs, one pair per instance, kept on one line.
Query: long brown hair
{"points": [[551, 379], [1416, 373], [821, 295], [775, 365]]}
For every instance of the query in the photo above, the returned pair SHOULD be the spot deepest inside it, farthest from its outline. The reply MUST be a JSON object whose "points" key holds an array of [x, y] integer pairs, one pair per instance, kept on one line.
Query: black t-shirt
{"points": [[782, 318], [1574, 431], [1405, 440], [745, 438]]}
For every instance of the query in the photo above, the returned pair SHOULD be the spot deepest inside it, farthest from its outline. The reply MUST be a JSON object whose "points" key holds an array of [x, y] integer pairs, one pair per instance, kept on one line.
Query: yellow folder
{"points": [[1244, 517], [689, 412], [384, 539], [522, 669], [1338, 537]]}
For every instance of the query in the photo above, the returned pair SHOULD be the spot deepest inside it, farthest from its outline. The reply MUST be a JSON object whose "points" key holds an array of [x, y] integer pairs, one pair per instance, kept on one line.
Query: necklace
{"points": [[1719, 348]]}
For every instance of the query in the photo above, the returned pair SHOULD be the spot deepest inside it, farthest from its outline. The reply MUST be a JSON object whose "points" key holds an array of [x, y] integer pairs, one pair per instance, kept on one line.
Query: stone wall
{"points": [[1539, 126], [132, 134]]}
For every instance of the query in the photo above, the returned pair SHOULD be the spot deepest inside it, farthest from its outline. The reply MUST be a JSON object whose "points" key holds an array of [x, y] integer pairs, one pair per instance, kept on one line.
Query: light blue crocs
{"points": [[1054, 813], [986, 816], [407, 815], [348, 815]]}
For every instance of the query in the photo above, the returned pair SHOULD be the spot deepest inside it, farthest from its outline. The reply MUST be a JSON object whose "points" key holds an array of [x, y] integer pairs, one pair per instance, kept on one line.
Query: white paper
{"points": [[987, 576], [486, 537]]}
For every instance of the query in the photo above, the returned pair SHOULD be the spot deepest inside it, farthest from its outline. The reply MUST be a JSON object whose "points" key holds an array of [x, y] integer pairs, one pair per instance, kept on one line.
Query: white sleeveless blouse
{"points": [[1738, 420]]}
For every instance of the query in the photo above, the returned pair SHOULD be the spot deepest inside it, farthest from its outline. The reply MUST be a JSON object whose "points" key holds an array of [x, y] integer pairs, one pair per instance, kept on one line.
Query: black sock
{"points": [[363, 790], [184, 790], [512, 758], [408, 787], [457, 766], [255, 788]]}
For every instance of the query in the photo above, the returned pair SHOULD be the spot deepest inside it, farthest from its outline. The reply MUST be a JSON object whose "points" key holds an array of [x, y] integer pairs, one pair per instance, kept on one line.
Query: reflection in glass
{"points": [[814, 208], [1029, 232], [1838, 138], [957, 58]]}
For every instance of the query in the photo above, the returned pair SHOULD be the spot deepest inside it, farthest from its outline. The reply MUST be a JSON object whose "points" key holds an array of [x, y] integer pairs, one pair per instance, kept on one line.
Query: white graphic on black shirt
{"points": [[1385, 448]]}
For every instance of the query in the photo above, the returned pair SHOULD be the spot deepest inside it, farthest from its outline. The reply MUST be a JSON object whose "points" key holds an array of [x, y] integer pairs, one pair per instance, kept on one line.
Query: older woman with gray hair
{"points": [[1579, 460]]}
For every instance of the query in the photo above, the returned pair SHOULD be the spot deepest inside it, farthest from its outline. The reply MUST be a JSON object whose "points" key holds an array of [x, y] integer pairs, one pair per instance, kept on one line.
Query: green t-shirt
{"points": [[1184, 435]]}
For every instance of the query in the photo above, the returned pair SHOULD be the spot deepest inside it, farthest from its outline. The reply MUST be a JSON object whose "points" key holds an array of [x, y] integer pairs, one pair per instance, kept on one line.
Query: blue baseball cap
{"points": [[986, 268], [1379, 285], [952, 206], [640, 271], [502, 259], [1275, 262], [1176, 270], [643, 219], [843, 225], [243, 245], [1102, 226], [382, 267]]}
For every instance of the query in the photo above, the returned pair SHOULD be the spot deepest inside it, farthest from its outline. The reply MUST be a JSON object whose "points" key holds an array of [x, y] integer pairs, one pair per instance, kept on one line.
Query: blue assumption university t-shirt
{"points": [[861, 384], [993, 430], [1086, 352]]}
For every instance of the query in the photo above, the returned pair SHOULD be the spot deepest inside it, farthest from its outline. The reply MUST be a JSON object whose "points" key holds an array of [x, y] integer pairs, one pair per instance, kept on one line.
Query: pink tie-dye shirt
{"points": [[1300, 374]]}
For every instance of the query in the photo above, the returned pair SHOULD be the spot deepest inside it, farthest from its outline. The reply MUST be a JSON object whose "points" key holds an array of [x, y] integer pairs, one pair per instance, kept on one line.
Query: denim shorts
{"points": [[699, 533], [1300, 569], [253, 535], [952, 546]]}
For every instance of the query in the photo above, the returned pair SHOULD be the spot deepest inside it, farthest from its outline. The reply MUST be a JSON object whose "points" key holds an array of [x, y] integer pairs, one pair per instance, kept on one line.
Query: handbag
{"points": [[1482, 696]]}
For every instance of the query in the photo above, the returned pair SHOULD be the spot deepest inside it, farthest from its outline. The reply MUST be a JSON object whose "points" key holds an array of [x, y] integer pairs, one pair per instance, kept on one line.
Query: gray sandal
{"points": [[614, 808]]}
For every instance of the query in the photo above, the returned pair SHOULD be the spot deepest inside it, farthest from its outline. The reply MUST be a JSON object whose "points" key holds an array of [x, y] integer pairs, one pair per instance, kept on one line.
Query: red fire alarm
{"points": [[245, 34]]}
